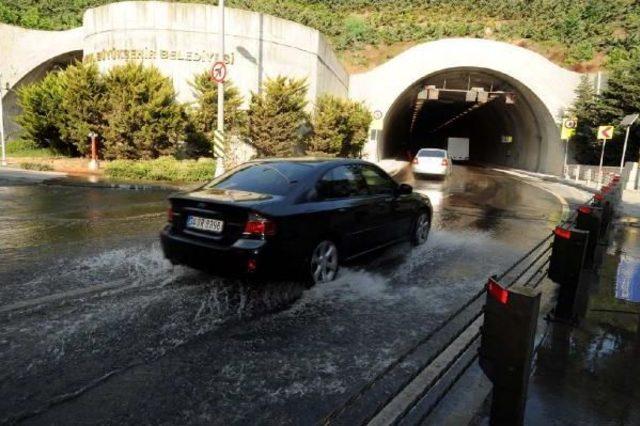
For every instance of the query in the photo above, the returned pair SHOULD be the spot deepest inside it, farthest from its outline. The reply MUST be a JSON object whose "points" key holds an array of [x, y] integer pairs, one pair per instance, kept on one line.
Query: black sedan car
{"points": [[293, 215]]}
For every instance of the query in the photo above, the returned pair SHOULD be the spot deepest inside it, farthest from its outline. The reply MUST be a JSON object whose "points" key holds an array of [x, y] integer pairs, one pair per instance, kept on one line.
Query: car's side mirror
{"points": [[404, 189]]}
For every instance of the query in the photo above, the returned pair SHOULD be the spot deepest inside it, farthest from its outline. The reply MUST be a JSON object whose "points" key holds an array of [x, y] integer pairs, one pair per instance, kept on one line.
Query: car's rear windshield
{"points": [[274, 178], [431, 153]]}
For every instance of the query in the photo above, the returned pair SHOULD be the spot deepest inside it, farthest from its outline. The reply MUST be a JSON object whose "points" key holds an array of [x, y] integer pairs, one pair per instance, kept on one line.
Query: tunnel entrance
{"points": [[11, 107], [505, 122]]}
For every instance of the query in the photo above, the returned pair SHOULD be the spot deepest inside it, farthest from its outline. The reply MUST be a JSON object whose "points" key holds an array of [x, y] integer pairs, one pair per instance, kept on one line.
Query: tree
{"points": [[587, 109], [203, 113], [41, 118], [276, 117], [83, 104], [143, 117], [340, 127], [622, 97]]}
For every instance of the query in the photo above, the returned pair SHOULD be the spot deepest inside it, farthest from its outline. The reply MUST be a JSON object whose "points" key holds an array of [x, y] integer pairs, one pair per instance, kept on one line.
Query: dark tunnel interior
{"points": [[508, 129]]}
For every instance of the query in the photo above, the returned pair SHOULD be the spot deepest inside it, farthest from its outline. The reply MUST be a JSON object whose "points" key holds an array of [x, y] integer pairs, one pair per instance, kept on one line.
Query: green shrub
{"points": [[276, 118], [162, 169], [41, 117], [143, 119], [340, 127], [203, 114], [41, 167]]}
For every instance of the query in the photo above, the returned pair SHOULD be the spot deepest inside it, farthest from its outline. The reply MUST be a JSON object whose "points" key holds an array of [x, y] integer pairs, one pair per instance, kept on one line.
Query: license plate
{"points": [[205, 224]]}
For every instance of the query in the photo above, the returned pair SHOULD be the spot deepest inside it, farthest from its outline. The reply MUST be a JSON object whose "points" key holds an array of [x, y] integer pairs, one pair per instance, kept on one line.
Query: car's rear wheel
{"points": [[421, 229], [323, 265]]}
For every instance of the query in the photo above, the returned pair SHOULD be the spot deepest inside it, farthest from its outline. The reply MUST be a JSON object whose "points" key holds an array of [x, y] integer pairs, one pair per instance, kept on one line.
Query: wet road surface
{"points": [[170, 345]]}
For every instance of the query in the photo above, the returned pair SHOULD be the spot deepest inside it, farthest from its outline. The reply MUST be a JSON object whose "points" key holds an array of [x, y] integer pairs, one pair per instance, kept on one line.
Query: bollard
{"points": [[565, 269], [588, 219], [506, 349], [604, 202]]}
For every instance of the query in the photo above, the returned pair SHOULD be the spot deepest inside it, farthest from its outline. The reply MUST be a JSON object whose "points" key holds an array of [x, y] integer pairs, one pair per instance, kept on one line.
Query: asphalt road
{"points": [[99, 328]]}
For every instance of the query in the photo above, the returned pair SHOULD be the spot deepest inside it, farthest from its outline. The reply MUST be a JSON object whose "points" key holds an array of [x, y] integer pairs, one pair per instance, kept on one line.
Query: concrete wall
{"points": [[26, 55], [547, 88], [182, 40]]}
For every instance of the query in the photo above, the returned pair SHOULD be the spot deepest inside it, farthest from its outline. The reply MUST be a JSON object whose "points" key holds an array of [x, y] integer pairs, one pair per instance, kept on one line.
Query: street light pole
{"points": [[2, 142], [627, 121], [220, 159]]}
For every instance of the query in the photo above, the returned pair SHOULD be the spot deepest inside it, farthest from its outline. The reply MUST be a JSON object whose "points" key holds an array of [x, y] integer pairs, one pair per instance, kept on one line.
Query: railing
{"points": [[401, 394]]}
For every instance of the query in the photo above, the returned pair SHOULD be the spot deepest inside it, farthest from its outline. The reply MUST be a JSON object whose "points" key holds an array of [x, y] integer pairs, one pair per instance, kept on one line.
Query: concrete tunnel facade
{"points": [[543, 91]]}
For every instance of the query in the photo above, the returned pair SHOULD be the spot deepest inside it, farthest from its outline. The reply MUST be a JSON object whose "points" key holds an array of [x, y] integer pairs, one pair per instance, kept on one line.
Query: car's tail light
{"points": [[252, 265], [445, 162], [415, 160], [259, 226], [170, 214]]}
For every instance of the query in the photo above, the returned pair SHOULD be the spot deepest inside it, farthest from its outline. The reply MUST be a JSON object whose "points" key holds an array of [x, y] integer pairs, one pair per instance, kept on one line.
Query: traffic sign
{"points": [[377, 114], [569, 125], [605, 132], [219, 72]]}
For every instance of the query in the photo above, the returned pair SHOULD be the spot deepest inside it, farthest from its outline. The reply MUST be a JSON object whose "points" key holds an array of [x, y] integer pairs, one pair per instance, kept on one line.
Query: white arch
{"points": [[552, 85]]}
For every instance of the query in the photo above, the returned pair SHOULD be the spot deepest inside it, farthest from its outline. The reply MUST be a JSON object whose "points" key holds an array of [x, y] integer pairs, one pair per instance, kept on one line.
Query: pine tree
{"points": [[143, 118], [340, 127], [203, 113], [276, 118], [622, 97], [83, 104], [588, 110], [41, 118]]}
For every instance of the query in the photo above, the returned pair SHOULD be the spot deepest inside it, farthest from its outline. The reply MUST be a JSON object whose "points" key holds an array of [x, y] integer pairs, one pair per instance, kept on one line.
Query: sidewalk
{"points": [[590, 374]]}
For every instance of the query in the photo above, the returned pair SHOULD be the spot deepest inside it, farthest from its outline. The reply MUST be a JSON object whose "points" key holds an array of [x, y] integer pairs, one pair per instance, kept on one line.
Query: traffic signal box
{"points": [[565, 269], [506, 348], [590, 219]]}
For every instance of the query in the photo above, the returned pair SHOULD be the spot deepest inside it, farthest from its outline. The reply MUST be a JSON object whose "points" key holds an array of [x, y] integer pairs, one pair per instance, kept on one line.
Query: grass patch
{"points": [[41, 167], [162, 169], [24, 149]]}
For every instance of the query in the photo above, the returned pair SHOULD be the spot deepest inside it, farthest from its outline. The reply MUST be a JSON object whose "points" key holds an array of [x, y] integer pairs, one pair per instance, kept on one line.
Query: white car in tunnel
{"points": [[432, 161]]}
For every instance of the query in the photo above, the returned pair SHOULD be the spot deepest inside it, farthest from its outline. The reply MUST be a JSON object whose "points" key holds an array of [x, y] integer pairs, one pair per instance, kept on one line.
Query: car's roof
{"points": [[316, 162]]}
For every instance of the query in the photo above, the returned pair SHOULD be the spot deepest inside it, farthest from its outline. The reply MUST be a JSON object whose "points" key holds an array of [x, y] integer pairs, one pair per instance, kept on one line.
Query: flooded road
{"points": [[98, 327]]}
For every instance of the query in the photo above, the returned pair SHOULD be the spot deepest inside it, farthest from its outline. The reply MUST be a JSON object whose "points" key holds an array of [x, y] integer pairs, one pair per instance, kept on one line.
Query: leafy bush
{"points": [[203, 113], [27, 148], [340, 127], [41, 118], [83, 104], [162, 169], [276, 119], [143, 119], [41, 167]]}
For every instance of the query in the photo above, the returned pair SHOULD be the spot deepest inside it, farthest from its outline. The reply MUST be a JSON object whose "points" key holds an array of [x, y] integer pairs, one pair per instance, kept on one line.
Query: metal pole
{"points": [[604, 143], [624, 149], [4, 154], [566, 152], [220, 160]]}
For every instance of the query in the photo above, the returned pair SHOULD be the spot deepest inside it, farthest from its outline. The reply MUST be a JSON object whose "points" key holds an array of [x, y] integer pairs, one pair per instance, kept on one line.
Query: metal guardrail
{"points": [[527, 272]]}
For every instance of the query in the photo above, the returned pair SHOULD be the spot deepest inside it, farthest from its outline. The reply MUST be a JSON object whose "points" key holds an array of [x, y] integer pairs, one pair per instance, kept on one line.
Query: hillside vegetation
{"points": [[580, 34]]}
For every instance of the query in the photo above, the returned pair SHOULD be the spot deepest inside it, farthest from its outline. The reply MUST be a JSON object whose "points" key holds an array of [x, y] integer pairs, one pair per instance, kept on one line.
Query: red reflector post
{"points": [[562, 233], [585, 210], [497, 292]]}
